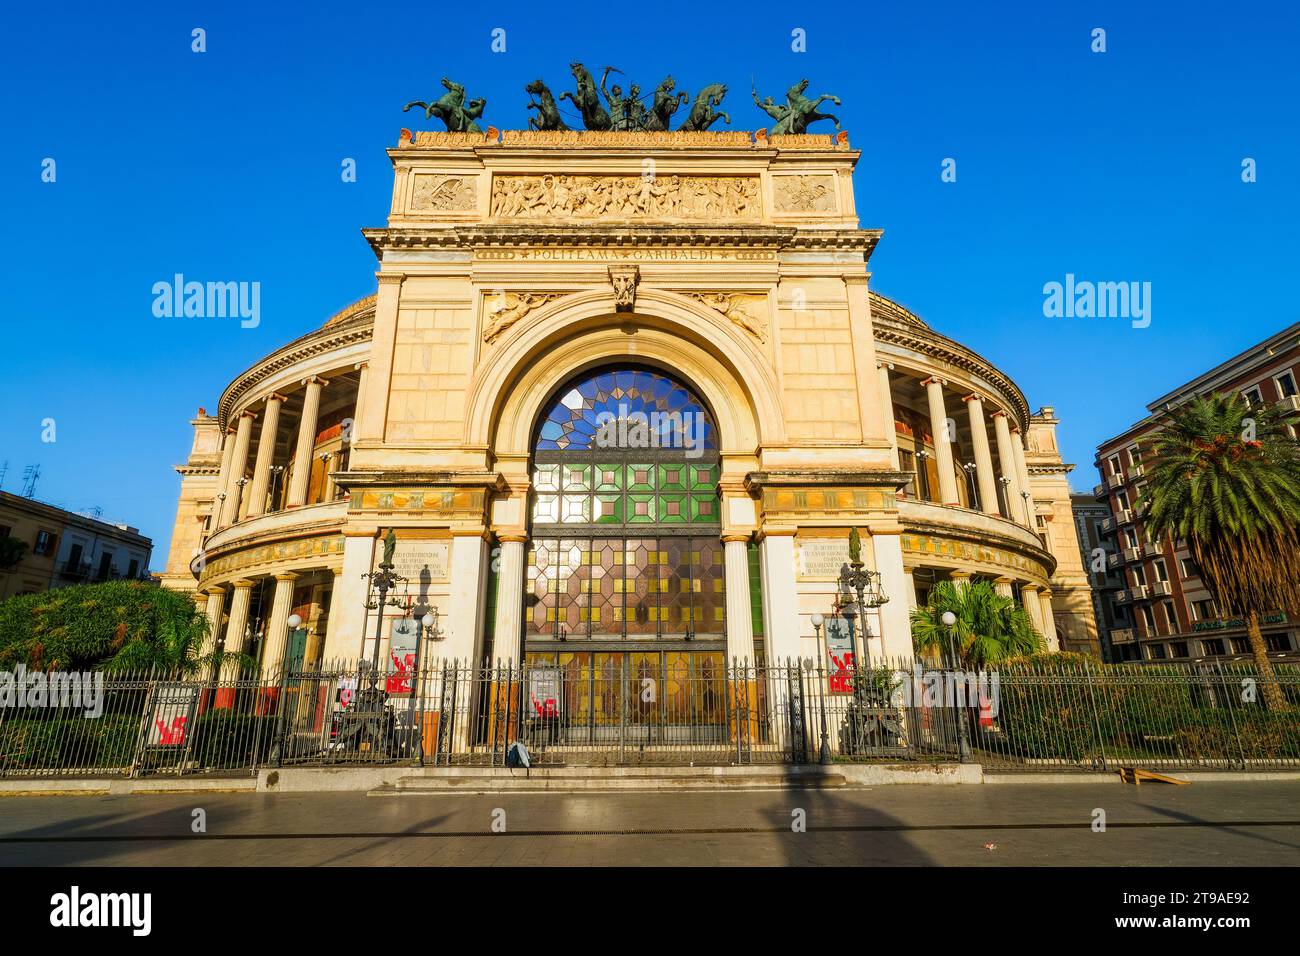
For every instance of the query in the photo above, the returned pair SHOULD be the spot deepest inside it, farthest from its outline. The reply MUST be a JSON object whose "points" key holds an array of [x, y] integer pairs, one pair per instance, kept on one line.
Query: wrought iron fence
{"points": [[1040, 714]]}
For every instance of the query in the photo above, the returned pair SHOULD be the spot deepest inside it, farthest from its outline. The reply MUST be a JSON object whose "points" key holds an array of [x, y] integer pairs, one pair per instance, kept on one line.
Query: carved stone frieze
{"points": [[804, 193], [444, 193], [626, 197]]}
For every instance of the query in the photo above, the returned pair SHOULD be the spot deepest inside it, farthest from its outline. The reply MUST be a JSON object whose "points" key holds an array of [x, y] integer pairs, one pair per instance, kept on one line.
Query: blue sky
{"points": [[225, 165]]}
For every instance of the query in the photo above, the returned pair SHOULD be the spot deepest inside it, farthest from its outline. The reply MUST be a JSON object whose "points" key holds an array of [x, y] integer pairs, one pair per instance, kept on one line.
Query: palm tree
{"points": [[990, 627], [1226, 478]]}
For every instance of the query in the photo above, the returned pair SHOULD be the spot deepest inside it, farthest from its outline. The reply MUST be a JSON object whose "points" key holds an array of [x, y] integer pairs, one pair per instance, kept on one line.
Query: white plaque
{"points": [[820, 559], [419, 561]]}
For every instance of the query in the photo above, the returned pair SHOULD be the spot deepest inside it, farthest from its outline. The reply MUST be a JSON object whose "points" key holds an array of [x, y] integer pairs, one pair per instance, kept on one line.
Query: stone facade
{"points": [[511, 268]]}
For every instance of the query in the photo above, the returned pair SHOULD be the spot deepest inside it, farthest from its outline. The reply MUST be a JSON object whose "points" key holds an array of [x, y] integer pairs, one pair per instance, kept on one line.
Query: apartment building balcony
{"points": [[1128, 595], [1132, 555], [1122, 635], [1114, 481], [1161, 589]]}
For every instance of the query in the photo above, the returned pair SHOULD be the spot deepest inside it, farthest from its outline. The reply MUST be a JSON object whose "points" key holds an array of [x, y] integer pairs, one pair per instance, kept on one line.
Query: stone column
{"points": [[306, 441], [349, 619], [507, 631], [374, 417], [1049, 620], [277, 626], [1022, 475], [887, 406], [959, 579], [265, 456], [1003, 587], [983, 456], [216, 603], [1007, 458], [895, 582], [235, 627], [363, 370], [1029, 599], [223, 479], [238, 463], [740, 623], [911, 591], [942, 446], [783, 627], [469, 554]]}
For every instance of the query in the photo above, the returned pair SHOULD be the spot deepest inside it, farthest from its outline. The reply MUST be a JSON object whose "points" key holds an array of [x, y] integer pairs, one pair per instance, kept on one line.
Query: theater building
{"points": [[622, 396]]}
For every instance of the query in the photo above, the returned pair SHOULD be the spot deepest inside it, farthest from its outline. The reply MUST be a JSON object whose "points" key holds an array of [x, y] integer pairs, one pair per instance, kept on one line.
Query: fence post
{"points": [[1232, 716], [1096, 720]]}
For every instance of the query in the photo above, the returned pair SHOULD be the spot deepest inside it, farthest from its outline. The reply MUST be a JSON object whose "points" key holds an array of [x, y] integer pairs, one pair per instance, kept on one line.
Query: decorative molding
{"points": [[514, 307], [737, 308], [624, 279]]}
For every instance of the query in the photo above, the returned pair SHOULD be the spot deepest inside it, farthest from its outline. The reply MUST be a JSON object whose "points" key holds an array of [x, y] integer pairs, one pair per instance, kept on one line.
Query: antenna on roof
{"points": [[30, 474], [4, 470]]}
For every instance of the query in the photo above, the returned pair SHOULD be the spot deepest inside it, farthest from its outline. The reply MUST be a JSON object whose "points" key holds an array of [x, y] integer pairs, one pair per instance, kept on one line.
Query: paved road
{"points": [[1204, 824]]}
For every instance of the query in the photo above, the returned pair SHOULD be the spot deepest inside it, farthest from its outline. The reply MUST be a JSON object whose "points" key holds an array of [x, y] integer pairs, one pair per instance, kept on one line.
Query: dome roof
{"points": [[352, 311], [882, 307]]}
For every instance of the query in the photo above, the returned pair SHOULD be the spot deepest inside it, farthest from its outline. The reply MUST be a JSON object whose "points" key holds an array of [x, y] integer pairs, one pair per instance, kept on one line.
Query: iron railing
{"points": [[1044, 713]]}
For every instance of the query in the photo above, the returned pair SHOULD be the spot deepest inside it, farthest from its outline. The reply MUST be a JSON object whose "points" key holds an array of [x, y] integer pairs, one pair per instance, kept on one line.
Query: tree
{"points": [[11, 552], [118, 625], [1226, 478], [990, 627]]}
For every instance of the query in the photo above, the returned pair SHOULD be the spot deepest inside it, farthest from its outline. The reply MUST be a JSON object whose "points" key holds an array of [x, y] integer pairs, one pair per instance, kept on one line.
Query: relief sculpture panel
{"points": [[592, 197]]}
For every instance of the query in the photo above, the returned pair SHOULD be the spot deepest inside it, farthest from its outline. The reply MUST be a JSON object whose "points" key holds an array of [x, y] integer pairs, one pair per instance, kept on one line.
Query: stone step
{"points": [[608, 779]]}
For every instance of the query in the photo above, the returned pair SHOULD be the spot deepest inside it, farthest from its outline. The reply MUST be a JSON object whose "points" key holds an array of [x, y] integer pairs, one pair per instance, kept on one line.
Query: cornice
{"points": [[317, 342], [495, 236], [928, 342]]}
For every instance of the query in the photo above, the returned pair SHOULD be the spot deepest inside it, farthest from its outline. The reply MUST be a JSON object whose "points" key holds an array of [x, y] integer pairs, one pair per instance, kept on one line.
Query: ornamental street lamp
{"points": [[294, 622], [817, 622], [949, 620], [383, 581], [1006, 495], [1029, 517], [969, 467]]}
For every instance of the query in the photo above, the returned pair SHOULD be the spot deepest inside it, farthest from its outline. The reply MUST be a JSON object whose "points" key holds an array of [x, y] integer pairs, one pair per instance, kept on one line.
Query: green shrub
{"points": [[115, 624]]}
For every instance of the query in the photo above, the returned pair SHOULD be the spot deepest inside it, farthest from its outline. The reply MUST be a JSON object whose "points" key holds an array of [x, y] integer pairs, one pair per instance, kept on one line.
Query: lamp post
{"points": [[970, 467], [825, 757], [949, 620], [923, 476], [383, 581], [1005, 482], [1029, 516], [294, 622], [276, 472]]}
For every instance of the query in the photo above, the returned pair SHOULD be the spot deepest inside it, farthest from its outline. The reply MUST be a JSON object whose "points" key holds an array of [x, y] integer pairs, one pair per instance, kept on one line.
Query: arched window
{"points": [[625, 551]]}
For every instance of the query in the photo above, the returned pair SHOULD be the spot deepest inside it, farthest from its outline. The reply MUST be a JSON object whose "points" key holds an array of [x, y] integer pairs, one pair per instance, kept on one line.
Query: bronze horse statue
{"points": [[702, 114], [665, 105], [548, 113], [452, 109], [587, 100]]}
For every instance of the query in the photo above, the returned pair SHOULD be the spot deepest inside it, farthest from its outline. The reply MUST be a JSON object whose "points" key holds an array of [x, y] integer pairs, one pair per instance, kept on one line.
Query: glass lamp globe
{"points": [[294, 620], [427, 620], [948, 618], [818, 620]]}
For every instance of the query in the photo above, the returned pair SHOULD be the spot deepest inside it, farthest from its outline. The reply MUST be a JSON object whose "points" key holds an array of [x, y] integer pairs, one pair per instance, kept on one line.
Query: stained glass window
{"points": [[626, 448], [626, 408], [625, 514]]}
